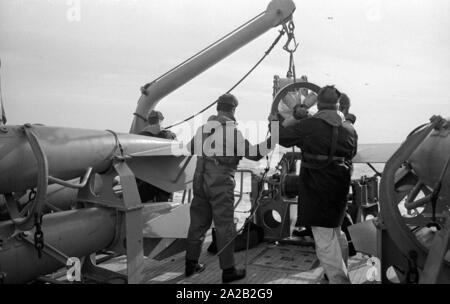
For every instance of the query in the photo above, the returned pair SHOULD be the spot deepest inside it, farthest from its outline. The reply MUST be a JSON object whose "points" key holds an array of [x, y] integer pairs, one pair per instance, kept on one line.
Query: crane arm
{"points": [[277, 12]]}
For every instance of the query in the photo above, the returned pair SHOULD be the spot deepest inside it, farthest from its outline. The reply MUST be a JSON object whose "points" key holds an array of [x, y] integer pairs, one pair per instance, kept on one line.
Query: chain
{"points": [[290, 47], [38, 235]]}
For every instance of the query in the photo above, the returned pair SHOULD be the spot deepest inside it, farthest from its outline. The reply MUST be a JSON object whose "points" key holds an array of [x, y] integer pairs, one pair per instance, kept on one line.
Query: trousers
{"points": [[213, 201], [332, 252]]}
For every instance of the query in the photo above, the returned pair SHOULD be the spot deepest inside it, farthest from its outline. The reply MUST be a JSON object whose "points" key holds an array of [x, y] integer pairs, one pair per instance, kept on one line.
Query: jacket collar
{"points": [[332, 117], [153, 129], [222, 117]]}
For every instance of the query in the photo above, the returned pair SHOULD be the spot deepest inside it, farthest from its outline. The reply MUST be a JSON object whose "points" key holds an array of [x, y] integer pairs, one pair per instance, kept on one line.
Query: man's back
{"points": [[328, 143], [220, 139], [317, 138], [314, 136], [323, 186]]}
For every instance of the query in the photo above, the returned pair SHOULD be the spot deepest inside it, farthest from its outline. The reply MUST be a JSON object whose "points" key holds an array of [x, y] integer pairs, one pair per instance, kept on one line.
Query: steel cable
{"points": [[236, 84]]}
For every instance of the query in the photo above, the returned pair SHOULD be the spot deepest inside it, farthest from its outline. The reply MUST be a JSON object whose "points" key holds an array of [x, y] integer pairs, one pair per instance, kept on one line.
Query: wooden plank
{"points": [[171, 270]]}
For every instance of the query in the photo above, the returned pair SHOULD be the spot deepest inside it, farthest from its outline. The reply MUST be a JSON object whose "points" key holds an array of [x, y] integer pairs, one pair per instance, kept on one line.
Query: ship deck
{"points": [[267, 263]]}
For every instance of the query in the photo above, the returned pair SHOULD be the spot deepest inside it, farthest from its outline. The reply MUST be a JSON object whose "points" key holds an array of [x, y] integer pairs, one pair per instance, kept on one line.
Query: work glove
{"points": [[300, 112], [350, 117]]}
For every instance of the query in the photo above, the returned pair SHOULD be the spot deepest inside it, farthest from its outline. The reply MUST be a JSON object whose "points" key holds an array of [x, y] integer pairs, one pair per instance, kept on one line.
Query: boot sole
{"points": [[236, 279], [197, 271]]}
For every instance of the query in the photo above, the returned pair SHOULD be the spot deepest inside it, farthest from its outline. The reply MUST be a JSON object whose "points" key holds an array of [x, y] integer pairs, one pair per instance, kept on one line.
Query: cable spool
{"points": [[290, 185]]}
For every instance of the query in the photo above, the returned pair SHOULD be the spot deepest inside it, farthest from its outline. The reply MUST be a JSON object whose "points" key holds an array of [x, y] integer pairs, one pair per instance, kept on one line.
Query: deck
{"points": [[268, 263]]}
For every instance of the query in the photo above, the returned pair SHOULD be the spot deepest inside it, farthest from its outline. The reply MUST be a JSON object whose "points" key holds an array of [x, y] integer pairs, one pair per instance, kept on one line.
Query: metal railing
{"points": [[187, 193]]}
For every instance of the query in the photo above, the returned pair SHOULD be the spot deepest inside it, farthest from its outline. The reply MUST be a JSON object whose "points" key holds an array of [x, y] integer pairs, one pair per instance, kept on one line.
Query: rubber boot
{"points": [[232, 274], [193, 267], [302, 232]]}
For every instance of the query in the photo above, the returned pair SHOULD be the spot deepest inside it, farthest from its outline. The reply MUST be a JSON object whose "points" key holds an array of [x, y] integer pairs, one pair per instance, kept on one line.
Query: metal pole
{"points": [[2, 107], [277, 12]]}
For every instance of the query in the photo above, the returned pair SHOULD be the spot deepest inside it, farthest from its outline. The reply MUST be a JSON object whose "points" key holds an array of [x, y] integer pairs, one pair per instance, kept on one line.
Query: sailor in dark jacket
{"points": [[154, 128], [219, 146], [328, 143], [149, 192]]}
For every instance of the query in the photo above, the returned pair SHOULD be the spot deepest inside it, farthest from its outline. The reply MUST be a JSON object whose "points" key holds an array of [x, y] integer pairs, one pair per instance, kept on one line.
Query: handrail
{"points": [[72, 185], [241, 187]]}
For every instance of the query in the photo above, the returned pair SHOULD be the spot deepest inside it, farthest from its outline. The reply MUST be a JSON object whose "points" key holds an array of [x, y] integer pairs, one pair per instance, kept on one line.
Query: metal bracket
{"points": [[98, 274], [129, 206], [79, 185], [133, 223]]}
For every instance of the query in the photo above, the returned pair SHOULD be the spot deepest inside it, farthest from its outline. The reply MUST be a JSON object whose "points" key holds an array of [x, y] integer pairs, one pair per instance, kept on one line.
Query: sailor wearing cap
{"points": [[148, 192], [214, 184], [155, 119], [328, 146]]}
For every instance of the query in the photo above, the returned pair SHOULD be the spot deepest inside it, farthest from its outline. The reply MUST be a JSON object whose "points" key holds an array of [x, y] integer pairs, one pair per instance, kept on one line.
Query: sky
{"points": [[80, 63]]}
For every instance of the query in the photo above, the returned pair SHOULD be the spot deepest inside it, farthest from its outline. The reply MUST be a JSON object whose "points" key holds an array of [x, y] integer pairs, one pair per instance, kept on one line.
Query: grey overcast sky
{"points": [[391, 57]]}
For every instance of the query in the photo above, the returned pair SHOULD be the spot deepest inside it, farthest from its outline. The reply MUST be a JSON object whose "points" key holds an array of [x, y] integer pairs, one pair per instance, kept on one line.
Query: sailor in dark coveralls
{"points": [[219, 146], [328, 143]]}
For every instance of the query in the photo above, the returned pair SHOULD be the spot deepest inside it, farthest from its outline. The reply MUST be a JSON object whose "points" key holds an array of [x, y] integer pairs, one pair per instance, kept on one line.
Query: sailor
{"points": [[219, 146], [328, 146], [149, 192], [300, 113], [155, 119], [344, 107]]}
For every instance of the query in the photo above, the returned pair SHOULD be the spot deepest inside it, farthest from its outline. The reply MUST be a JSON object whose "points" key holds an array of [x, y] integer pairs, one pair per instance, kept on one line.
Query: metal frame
{"points": [[130, 239], [436, 255], [397, 245]]}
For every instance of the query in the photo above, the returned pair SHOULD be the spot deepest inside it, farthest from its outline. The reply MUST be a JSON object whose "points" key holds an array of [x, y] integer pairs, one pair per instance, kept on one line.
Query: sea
{"points": [[242, 209]]}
